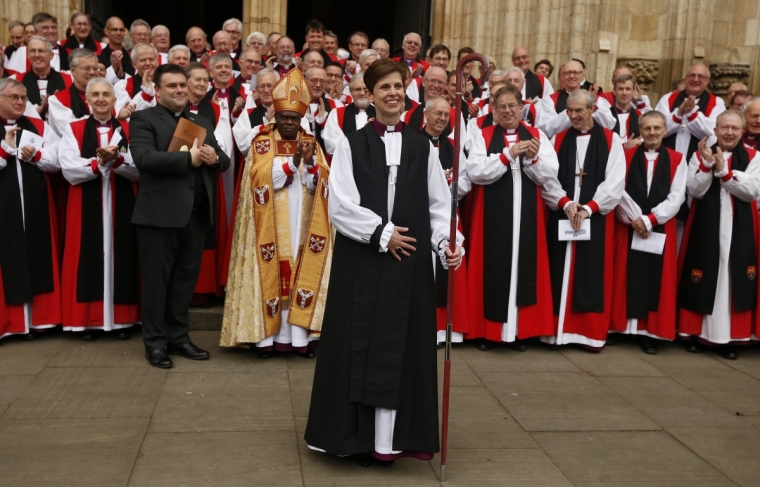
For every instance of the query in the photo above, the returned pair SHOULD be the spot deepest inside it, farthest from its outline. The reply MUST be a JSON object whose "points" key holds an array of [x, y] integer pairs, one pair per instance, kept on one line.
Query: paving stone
{"points": [[669, 403], [477, 420], [730, 389], [564, 401], [225, 359], [322, 469], [69, 452], [749, 361], [10, 388], [89, 392], [207, 318], [500, 468], [537, 358], [753, 420], [612, 361], [106, 351], [218, 458], [461, 373], [675, 356], [19, 357], [627, 458], [300, 381], [732, 450], [216, 401]]}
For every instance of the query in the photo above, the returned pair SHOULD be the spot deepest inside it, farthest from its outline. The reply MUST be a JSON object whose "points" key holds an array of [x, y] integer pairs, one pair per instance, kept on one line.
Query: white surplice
{"points": [[332, 133], [484, 168], [359, 223], [628, 211], [78, 170], [607, 196], [744, 185], [48, 163]]}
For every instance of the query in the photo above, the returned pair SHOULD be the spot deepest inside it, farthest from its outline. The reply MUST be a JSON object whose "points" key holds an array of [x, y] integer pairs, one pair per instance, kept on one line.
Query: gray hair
{"points": [[412, 34], [586, 96], [264, 71], [233, 21], [367, 53], [80, 53], [356, 78], [96, 81], [306, 74], [15, 23], [159, 26], [731, 112], [431, 102], [654, 114], [748, 103], [256, 35], [5, 82], [141, 47], [137, 23], [77, 14], [218, 57], [514, 69], [41, 39], [380, 39], [499, 72], [178, 47]]}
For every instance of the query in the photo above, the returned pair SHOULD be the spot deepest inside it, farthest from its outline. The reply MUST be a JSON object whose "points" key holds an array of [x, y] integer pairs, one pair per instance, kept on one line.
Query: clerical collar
{"points": [[620, 111], [511, 131], [99, 124], [584, 132], [408, 62], [652, 151], [7, 121], [172, 113], [381, 128]]}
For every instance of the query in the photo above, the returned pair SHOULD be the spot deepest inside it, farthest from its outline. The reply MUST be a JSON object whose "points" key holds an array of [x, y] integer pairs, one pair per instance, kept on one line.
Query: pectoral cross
{"points": [[287, 146], [514, 168], [580, 175]]}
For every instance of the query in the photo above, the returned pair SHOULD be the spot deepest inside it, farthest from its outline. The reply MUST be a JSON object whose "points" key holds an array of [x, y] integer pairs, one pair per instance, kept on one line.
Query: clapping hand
{"points": [[304, 152]]}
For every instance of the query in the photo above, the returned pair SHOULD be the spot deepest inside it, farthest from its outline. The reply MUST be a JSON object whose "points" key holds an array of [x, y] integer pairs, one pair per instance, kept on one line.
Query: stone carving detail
{"points": [[723, 74], [644, 70]]}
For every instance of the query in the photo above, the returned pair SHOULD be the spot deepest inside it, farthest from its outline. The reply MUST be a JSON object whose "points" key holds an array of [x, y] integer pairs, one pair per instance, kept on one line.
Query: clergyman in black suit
{"points": [[172, 212]]}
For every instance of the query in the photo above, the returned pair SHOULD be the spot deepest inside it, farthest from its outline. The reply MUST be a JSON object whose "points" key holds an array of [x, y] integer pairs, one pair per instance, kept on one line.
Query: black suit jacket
{"points": [[167, 181]]}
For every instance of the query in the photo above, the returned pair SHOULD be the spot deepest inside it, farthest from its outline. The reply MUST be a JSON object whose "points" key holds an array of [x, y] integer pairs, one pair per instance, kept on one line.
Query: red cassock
{"points": [[533, 319], [744, 324], [461, 308], [45, 307], [662, 322], [211, 277], [88, 314]]}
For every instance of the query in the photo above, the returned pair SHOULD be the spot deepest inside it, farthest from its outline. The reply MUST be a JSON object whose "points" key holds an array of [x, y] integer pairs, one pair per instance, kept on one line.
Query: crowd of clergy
{"points": [[589, 216]]}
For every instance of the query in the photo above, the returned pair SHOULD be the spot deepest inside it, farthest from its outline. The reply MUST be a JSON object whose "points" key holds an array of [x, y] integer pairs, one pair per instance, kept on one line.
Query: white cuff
{"points": [[147, 91], [386, 236], [722, 173], [588, 209], [7, 148], [564, 208], [647, 222]]}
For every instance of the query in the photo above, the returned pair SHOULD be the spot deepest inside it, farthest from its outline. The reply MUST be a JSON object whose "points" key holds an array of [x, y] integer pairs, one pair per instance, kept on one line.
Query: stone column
{"points": [[264, 16], [23, 10]]}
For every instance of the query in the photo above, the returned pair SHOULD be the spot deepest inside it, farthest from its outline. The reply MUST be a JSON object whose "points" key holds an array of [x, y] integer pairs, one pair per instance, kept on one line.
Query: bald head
{"points": [[733, 88], [697, 79], [196, 40], [621, 71], [434, 82], [752, 117], [222, 42], [521, 59], [572, 75]]}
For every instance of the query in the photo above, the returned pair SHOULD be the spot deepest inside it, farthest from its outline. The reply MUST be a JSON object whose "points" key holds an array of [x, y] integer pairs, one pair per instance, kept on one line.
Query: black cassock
{"points": [[377, 348]]}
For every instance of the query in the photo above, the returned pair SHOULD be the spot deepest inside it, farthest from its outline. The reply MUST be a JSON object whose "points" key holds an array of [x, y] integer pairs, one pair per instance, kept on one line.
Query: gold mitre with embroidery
{"points": [[291, 93]]}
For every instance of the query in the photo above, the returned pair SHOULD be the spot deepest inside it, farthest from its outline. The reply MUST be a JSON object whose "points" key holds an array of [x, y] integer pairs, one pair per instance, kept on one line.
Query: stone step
{"points": [[206, 318]]}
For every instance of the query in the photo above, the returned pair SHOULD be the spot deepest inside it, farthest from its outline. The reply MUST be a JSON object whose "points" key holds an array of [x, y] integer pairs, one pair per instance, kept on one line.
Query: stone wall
{"points": [[659, 39]]}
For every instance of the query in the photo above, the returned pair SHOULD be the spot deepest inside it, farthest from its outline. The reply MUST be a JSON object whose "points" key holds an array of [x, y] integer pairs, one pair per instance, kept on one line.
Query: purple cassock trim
{"points": [[288, 347], [419, 455], [381, 128]]}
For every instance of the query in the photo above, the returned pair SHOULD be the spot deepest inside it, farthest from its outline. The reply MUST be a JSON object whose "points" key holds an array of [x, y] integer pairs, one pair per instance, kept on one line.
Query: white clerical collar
{"points": [[511, 131], [10, 122]]}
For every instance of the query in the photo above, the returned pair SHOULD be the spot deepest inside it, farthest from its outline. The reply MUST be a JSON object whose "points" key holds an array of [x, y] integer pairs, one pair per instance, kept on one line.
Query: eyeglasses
{"points": [[359, 90], [440, 114], [334, 75], [412, 43], [88, 69], [231, 32], [37, 51], [318, 81], [697, 76], [362, 45], [510, 107], [572, 73], [16, 98], [161, 36], [436, 82]]}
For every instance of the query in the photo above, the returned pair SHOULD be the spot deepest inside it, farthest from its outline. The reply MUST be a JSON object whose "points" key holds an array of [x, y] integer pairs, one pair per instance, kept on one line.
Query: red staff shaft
{"points": [[452, 245]]}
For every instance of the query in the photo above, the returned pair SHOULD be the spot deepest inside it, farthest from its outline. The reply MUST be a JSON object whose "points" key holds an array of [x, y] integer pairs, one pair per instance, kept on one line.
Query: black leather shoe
{"points": [[517, 346], [124, 334], [729, 352], [29, 337], [694, 347], [308, 354], [648, 345], [614, 339], [364, 460], [188, 350], [386, 463], [89, 336], [483, 345], [157, 357]]}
